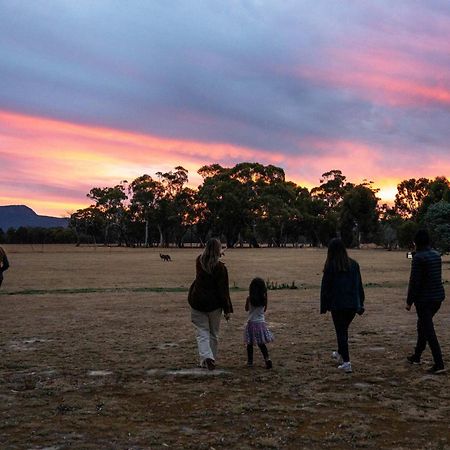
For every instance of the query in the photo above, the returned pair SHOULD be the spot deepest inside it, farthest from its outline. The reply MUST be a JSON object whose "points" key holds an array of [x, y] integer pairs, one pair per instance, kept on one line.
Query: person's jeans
{"points": [[342, 320], [207, 327], [425, 331]]}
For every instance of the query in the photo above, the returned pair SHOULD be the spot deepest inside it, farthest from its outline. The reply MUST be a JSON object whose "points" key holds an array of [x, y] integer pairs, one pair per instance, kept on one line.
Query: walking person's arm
{"points": [[325, 289], [362, 295], [415, 281], [224, 292]]}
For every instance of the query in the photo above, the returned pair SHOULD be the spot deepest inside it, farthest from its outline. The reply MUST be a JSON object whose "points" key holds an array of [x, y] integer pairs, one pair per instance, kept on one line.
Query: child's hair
{"points": [[337, 257], [258, 292]]}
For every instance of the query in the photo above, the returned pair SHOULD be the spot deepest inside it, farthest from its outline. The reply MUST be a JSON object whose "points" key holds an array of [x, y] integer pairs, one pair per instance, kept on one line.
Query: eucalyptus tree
{"points": [[230, 197], [87, 222], [110, 201], [410, 195], [437, 220], [437, 190], [144, 192], [359, 213], [173, 205]]}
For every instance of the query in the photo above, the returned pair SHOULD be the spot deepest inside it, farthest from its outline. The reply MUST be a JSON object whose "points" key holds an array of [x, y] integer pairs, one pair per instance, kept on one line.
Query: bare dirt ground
{"points": [[97, 352]]}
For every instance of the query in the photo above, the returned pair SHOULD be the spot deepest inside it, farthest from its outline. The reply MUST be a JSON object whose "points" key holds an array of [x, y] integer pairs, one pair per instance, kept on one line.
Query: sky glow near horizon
{"points": [[93, 93]]}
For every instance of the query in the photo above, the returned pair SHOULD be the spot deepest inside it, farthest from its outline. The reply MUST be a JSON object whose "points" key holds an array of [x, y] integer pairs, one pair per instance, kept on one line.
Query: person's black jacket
{"points": [[342, 290], [425, 282]]}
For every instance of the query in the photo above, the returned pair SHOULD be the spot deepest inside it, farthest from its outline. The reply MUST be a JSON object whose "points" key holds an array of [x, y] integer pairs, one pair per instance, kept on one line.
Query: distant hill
{"points": [[15, 216]]}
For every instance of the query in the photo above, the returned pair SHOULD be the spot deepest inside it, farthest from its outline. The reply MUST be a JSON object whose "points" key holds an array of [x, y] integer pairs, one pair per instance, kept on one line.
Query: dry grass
{"points": [[86, 341]]}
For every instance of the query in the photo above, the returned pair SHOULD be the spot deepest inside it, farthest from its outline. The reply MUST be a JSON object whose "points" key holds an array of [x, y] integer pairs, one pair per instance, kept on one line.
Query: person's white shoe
{"points": [[346, 367], [337, 357]]}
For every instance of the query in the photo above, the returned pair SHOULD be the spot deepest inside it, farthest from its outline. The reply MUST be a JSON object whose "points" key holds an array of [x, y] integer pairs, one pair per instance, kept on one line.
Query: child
{"points": [[256, 331]]}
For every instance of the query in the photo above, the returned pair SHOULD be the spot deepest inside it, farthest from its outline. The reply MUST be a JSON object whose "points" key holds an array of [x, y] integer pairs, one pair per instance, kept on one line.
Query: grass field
{"points": [[94, 344]]}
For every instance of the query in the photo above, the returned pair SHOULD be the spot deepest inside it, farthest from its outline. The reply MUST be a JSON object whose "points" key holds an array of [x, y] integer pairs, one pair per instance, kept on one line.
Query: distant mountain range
{"points": [[15, 216]]}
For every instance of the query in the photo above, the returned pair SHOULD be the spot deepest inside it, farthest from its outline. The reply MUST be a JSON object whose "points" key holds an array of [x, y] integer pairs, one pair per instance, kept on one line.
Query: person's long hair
{"points": [[211, 254], [257, 292], [337, 257]]}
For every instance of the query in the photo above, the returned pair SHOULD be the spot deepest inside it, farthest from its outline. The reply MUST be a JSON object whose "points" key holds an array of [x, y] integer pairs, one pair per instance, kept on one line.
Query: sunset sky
{"points": [[93, 92]]}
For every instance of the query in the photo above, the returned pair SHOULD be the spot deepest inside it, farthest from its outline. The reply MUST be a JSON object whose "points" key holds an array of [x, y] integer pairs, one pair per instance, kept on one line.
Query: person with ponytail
{"points": [[209, 298]]}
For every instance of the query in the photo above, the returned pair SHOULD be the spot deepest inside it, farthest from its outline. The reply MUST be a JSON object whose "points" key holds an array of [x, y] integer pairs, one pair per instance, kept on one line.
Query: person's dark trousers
{"points": [[426, 333], [263, 349], [342, 320]]}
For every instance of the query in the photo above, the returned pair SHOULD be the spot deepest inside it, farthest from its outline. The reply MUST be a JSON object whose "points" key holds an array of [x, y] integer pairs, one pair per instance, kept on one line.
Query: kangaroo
{"points": [[165, 257]]}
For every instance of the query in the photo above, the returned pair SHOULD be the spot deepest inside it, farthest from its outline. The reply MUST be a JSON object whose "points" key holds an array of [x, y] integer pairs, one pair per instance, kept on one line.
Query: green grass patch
{"points": [[99, 290]]}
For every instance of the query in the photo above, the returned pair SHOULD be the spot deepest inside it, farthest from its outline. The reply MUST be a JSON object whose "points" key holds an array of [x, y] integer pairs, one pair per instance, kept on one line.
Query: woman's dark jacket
{"points": [[342, 290], [210, 291], [425, 282]]}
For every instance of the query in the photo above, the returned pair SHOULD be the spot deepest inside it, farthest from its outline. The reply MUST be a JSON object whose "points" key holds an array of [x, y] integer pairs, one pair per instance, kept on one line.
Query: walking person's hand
{"points": [[408, 307], [227, 316]]}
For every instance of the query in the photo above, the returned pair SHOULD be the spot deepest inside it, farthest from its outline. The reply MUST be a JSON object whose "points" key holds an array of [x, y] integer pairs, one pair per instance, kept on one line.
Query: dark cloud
{"points": [[251, 73]]}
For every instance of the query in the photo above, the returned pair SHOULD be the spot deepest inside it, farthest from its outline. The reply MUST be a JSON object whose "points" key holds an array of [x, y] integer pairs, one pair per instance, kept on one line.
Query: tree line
{"points": [[253, 204]]}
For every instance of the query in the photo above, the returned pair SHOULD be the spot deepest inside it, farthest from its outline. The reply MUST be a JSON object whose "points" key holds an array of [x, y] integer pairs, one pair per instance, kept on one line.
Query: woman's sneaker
{"points": [[210, 363], [436, 370], [413, 359], [346, 367], [268, 364], [337, 357]]}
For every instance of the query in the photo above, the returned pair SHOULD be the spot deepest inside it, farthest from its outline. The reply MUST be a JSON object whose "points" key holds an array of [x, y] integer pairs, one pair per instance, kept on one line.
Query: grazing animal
{"points": [[165, 257]]}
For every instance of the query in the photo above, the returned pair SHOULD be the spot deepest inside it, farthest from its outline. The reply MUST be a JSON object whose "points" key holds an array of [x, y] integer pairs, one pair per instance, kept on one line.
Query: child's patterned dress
{"points": [[256, 331]]}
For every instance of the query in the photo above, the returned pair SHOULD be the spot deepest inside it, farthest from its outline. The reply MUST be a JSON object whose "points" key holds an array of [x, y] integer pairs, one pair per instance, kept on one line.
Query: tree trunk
{"points": [[146, 233], [161, 236]]}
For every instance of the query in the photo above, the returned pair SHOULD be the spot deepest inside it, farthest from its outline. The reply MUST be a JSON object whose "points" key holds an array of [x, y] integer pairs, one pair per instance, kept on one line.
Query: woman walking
{"points": [[209, 297], [341, 293]]}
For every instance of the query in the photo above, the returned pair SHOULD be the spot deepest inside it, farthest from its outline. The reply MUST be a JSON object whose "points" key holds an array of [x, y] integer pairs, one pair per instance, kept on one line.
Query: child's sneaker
{"points": [[346, 367], [268, 364], [337, 357], [249, 363]]}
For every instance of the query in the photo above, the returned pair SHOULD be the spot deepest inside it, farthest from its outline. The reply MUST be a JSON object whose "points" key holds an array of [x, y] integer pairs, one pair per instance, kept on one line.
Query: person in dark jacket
{"points": [[208, 297], [342, 293], [426, 292], [4, 264]]}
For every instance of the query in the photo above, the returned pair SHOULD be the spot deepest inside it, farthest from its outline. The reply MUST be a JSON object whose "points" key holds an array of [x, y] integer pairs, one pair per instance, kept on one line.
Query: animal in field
{"points": [[165, 257]]}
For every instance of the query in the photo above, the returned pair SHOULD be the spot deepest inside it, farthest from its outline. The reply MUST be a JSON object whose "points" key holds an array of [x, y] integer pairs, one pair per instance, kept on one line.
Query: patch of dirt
{"points": [[93, 357]]}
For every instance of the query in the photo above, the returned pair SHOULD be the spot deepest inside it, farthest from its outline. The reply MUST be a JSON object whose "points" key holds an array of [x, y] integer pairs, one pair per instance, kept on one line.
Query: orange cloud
{"points": [[54, 163], [50, 165]]}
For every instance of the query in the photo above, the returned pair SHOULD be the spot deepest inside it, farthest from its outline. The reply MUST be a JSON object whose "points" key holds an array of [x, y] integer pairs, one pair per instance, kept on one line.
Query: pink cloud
{"points": [[53, 164]]}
